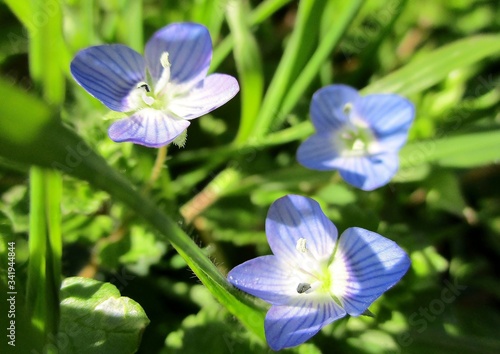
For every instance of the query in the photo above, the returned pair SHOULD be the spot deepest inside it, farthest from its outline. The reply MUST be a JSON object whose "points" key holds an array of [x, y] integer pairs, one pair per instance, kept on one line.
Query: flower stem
{"points": [[210, 193], [157, 167]]}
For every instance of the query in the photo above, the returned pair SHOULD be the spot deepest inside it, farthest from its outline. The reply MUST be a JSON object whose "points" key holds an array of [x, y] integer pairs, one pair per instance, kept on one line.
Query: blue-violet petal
{"points": [[374, 264], [148, 127], [209, 94], [295, 217], [190, 52], [330, 106], [109, 73], [288, 326]]}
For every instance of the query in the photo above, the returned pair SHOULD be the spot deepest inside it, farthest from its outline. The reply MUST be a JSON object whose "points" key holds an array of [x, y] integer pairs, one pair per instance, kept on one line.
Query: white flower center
{"points": [[143, 97], [312, 273], [355, 138], [340, 276]]}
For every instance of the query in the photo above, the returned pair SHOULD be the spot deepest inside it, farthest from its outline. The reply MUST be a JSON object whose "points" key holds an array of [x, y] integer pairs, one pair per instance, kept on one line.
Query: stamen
{"points": [[347, 108], [164, 60], [143, 85], [301, 245], [165, 75], [303, 287], [358, 145]]}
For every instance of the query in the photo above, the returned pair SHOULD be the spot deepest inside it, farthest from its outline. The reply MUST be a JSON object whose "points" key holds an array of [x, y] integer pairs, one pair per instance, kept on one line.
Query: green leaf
{"points": [[374, 341], [338, 21], [468, 150], [211, 329], [145, 251], [96, 319], [444, 193], [337, 194], [295, 54], [249, 64], [430, 68]]}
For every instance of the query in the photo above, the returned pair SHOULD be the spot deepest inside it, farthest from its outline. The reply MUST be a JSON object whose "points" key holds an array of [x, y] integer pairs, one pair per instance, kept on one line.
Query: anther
{"points": [[347, 108], [301, 245], [303, 287], [143, 85]]}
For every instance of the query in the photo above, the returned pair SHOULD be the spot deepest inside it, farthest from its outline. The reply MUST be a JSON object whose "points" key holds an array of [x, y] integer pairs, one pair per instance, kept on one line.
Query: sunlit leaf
{"points": [[96, 319]]}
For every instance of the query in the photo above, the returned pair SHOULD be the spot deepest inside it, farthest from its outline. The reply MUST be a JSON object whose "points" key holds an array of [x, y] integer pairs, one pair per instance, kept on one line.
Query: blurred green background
{"points": [[443, 207]]}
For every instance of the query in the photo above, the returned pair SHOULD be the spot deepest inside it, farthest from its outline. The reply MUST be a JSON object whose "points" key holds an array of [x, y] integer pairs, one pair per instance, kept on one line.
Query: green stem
{"points": [[44, 269], [258, 15], [330, 40], [157, 167], [53, 196], [283, 74], [45, 246], [210, 194], [36, 287], [249, 64], [130, 24]]}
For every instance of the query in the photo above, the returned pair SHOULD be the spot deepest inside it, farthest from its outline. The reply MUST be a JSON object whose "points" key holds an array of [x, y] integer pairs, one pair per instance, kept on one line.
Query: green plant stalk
{"points": [[210, 13], [53, 197], [266, 9], [44, 275], [328, 43], [281, 79], [249, 64], [129, 26], [369, 55], [210, 194], [263, 11], [87, 19], [45, 40], [45, 248], [36, 293]]}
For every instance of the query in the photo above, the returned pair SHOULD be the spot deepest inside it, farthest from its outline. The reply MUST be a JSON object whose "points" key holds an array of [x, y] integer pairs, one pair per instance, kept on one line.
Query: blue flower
{"points": [[314, 278], [160, 93], [359, 136]]}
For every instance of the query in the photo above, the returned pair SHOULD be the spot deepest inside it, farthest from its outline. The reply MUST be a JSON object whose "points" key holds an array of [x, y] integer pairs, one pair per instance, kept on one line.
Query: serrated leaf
{"points": [[96, 319]]}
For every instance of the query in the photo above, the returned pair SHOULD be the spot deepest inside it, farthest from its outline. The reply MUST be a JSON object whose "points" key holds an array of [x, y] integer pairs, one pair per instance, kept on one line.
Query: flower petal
{"points": [[148, 127], [209, 94], [318, 152], [293, 217], [368, 172], [373, 263], [389, 117], [328, 104], [288, 326], [267, 278], [109, 73], [190, 52]]}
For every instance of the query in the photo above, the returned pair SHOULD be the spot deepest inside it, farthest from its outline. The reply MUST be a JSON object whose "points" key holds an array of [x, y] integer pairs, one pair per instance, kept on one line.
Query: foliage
{"points": [[107, 215]]}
